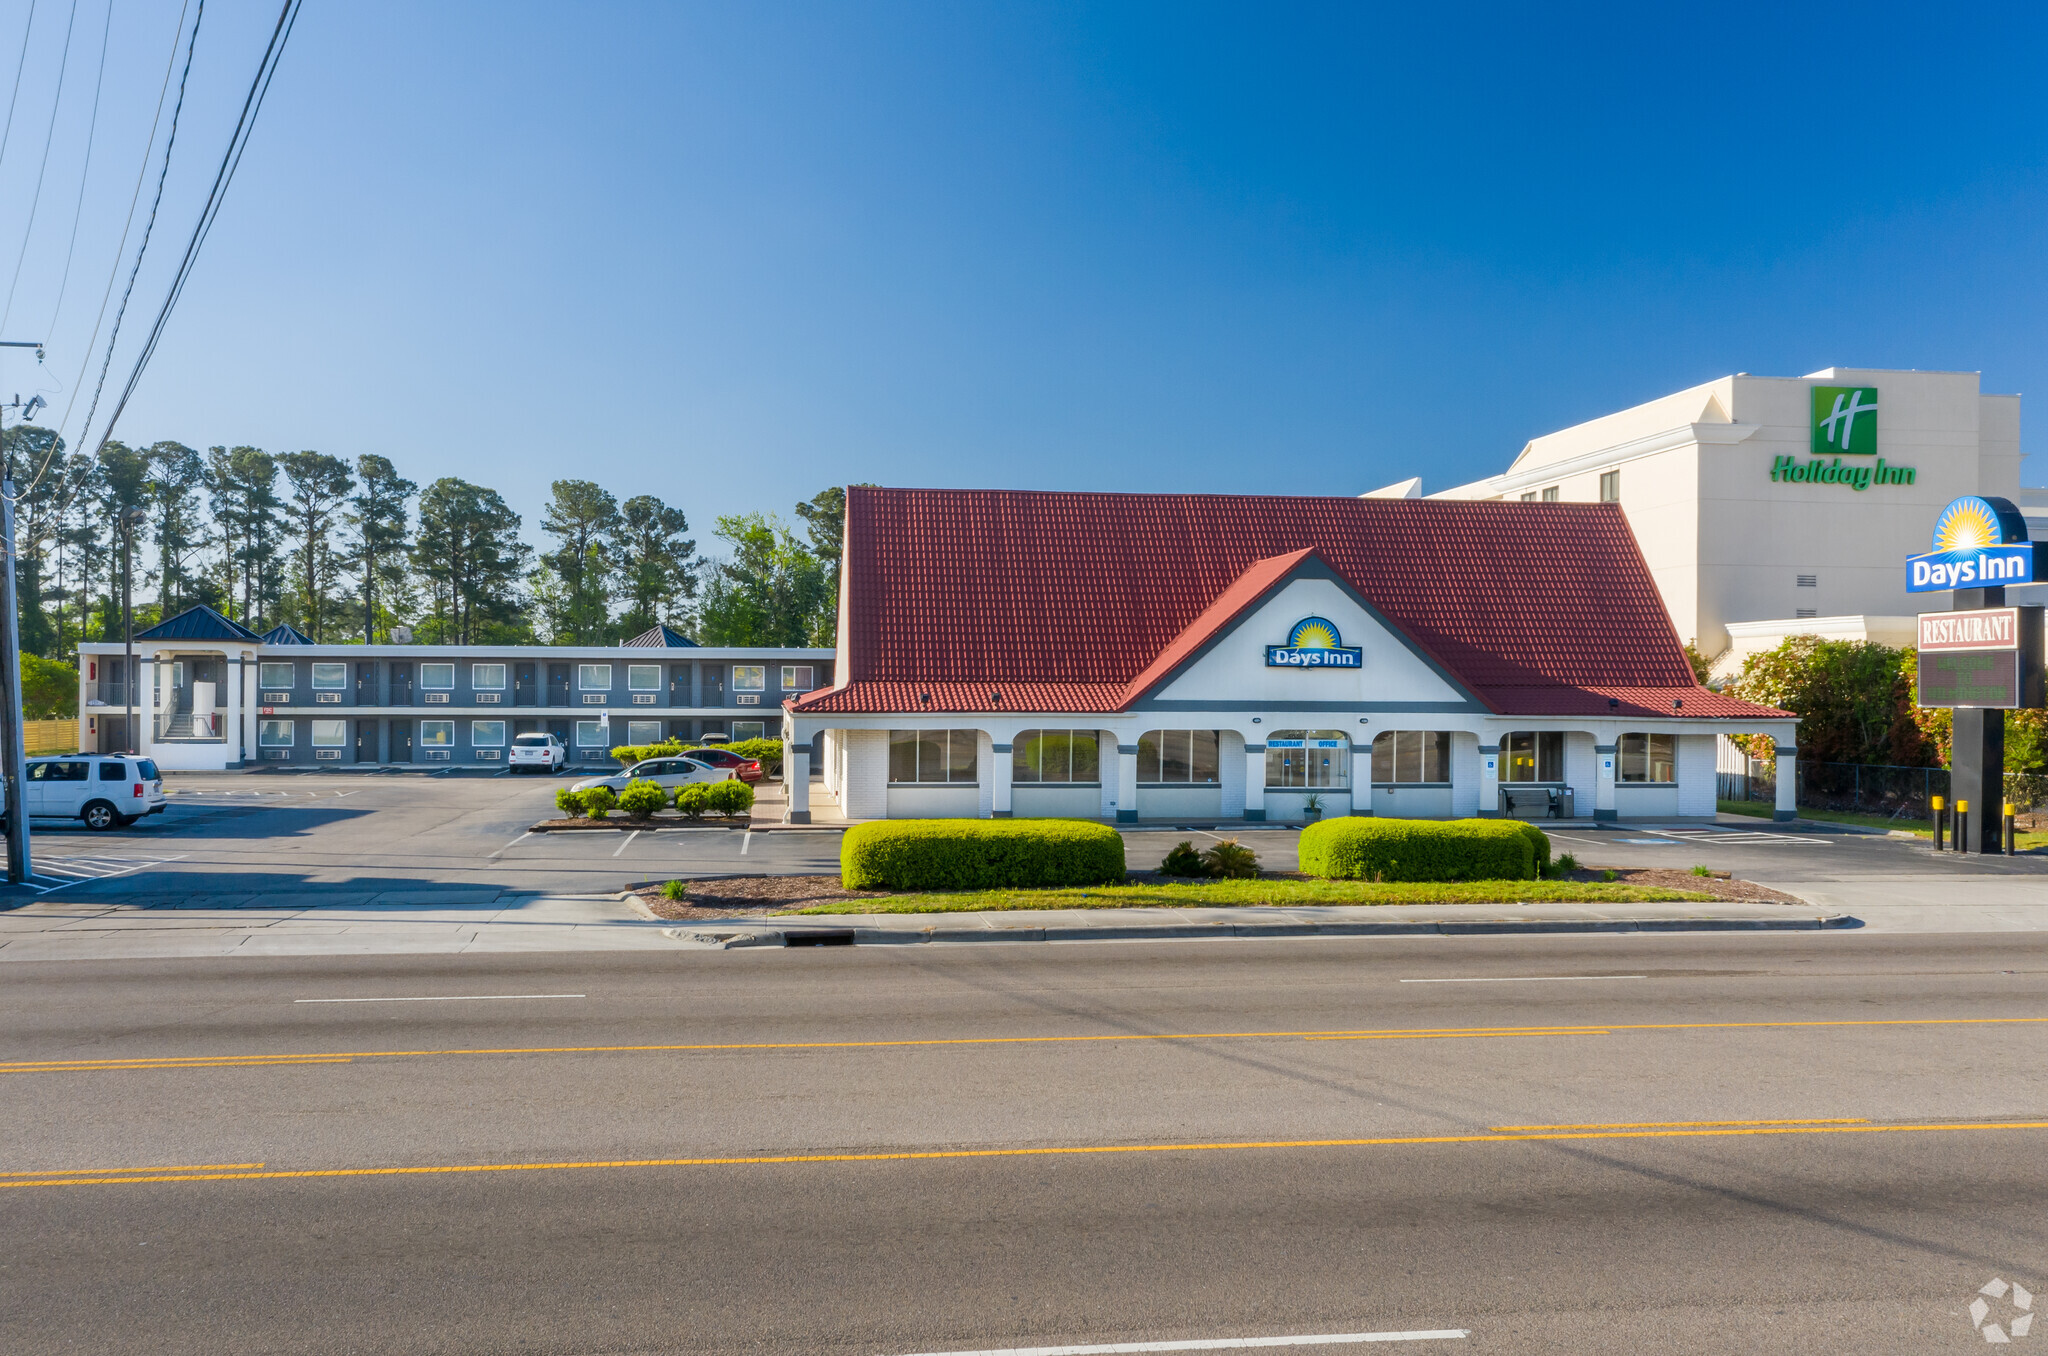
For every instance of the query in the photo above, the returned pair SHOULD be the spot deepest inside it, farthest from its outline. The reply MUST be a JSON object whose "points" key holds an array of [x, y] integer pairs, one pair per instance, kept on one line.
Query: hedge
{"points": [[1363, 848], [978, 854]]}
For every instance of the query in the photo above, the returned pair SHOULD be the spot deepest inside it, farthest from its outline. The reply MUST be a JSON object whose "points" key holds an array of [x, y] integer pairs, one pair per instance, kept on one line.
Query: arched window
{"points": [[1179, 757], [1411, 757], [1309, 759], [1064, 756], [1648, 758]]}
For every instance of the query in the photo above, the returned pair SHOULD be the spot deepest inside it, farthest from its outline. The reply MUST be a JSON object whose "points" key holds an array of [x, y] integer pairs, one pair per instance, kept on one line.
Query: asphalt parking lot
{"points": [[238, 838]]}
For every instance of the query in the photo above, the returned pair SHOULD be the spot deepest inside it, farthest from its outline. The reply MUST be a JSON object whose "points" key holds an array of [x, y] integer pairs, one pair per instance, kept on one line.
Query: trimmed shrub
{"points": [[1358, 848], [569, 802], [769, 751], [1232, 860], [732, 799], [641, 799], [692, 798], [600, 801], [630, 754], [979, 854], [1539, 843], [1183, 861]]}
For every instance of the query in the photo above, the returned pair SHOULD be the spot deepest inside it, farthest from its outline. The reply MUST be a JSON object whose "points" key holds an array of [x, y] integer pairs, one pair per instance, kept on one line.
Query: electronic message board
{"points": [[1988, 658]]}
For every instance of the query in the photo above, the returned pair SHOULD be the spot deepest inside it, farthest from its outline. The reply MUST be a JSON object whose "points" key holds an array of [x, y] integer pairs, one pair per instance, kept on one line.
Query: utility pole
{"points": [[13, 753]]}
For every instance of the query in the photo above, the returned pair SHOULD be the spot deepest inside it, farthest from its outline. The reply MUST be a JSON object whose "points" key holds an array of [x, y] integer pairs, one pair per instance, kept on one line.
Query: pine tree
{"points": [[320, 486], [582, 517], [377, 555]]}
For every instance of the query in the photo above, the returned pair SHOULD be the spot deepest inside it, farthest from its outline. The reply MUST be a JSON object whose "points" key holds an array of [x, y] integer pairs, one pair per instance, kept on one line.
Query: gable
{"points": [[1231, 670]]}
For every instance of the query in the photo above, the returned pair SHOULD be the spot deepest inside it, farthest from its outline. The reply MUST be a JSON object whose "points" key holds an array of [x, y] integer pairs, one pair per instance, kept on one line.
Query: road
{"points": [[1818, 1142]]}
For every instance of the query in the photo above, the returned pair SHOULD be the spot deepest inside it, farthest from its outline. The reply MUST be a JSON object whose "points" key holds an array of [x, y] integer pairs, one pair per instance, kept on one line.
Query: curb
{"points": [[870, 936]]}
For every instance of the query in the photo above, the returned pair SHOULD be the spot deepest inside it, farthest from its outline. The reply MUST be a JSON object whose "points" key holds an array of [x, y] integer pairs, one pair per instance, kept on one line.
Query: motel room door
{"points": [[401, 741]]}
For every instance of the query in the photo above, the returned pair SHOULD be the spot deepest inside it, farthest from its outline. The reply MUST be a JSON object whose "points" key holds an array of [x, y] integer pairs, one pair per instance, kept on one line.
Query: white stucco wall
{"points": [[1696, 774], [866, 793], [1579, 771], [1464, 775]]}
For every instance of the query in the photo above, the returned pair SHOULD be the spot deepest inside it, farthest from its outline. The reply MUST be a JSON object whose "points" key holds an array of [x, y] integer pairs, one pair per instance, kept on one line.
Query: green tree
{"points": [[242, 482], [1854, 700], [377, 554], [123, 487], [320, 485], [824, 515], [49, 688], [581, 516], [772, 590], [36, 456], [657, 565], [176, 473], [469, 553]]}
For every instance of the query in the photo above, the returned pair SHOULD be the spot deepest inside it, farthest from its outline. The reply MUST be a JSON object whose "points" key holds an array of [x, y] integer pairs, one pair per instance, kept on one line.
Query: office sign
{"points": [[1314, 644], [1979, 542]]}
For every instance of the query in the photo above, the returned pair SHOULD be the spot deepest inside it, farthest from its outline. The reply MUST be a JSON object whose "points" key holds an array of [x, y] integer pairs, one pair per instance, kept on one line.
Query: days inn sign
{"points": [[1313, 644], [1980, 541]]}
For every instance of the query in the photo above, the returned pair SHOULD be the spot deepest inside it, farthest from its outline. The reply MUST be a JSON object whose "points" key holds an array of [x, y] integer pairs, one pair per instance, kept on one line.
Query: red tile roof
{"points": [[1063, 601]]}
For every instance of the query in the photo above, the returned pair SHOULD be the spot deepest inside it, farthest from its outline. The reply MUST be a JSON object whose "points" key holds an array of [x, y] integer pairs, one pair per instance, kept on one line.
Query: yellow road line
{"points": [[741, 1047], [74, 1172], [440, 1170], [1680, 1125]]}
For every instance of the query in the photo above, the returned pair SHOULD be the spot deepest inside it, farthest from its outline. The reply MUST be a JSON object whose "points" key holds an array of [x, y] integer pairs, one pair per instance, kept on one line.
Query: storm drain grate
{"points": [[819, 937]]}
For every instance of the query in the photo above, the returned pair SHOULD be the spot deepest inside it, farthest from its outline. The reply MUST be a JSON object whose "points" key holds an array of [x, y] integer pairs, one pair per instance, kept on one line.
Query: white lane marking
{"points": [[627, 843], [1517, 979], [444, 998], [746, 841], [91, 869], [343, 795], [1327, 1339], [509, 846]]}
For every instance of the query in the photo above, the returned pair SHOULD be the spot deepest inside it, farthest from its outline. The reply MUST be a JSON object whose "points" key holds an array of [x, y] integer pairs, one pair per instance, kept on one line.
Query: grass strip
{"points": [[1252, 893], [1920, 828]]}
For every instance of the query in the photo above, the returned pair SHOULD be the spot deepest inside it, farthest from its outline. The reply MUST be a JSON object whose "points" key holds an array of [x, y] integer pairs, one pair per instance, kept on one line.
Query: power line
{"points": [[49, 135], [238, 141], [19, 65], [92, 128]]}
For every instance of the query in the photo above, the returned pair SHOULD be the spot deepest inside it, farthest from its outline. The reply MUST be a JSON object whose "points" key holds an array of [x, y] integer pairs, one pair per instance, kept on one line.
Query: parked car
{"points": [[746, 769], [668, 772], [105, 790], [541, 752]]}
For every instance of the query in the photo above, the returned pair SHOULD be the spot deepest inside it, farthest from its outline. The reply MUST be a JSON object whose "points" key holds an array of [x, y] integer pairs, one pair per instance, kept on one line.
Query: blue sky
{"points": [[730, 254]]}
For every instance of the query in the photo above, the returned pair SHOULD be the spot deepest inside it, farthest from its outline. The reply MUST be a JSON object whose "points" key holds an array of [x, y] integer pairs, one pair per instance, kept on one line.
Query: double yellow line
{"points": [[252, 1172], [143, 1064]]}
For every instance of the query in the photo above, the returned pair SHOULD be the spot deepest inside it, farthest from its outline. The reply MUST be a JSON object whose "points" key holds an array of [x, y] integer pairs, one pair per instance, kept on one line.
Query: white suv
{"points": [[105, 790], [543, 752]]}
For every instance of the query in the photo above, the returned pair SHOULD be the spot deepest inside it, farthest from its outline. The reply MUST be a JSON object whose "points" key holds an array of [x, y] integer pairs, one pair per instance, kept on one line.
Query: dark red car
{"points": [[746, 769]]}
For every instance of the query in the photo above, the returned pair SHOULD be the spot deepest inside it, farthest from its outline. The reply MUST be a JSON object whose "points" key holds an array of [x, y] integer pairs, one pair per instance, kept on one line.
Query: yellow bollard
{"points": [[2010, 840], [1962, 826], [1940, 820]]}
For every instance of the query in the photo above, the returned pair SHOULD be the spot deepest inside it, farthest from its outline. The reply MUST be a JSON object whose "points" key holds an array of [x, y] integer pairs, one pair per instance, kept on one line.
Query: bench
{"points": [[1536, 802]]}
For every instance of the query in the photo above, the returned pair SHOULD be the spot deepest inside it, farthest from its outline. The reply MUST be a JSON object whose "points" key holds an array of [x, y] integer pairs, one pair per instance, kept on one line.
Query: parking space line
{"points": [[627, 843], [746, 841]]}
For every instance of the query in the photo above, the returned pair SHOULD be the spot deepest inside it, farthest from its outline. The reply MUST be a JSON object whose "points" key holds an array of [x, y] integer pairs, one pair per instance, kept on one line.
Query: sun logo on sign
{"points": [[1313, 633], [1969, 524]]}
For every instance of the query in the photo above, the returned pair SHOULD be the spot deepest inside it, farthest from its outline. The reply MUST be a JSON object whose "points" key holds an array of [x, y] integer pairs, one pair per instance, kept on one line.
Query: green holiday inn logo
{"points": [[1845, 421], [1844, 425]]}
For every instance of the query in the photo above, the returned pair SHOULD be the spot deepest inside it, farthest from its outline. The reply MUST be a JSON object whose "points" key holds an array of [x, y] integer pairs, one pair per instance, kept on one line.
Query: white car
{"points": [[669, 772], [542, 752], [105, 790]]}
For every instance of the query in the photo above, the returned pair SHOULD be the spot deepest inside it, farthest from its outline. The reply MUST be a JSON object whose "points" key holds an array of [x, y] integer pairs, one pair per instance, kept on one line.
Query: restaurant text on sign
{"points": [[1996, 628]]}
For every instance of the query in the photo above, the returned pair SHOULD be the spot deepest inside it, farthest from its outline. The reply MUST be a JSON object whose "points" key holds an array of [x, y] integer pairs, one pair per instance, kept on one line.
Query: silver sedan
{"points": [[668, 772]]}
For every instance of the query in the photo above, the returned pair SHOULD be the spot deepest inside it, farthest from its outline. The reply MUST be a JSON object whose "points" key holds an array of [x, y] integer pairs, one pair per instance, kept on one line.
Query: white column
{"points": [[1003, 766], [1489, 779], [231, 727], [1787, 806], [1254, 780], [249, 677], [1126, 783], [143, 680], [1603, 781], [796, 782]]}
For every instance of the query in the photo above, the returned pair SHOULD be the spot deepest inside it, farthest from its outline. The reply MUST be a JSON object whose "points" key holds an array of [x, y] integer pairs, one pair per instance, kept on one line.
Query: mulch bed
{"points": [[752, 896], [625, 821]]}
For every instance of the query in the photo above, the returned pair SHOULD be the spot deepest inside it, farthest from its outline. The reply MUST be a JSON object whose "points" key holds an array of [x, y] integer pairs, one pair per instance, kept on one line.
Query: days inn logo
{"points": [[1314, 644], [1979, 542]]}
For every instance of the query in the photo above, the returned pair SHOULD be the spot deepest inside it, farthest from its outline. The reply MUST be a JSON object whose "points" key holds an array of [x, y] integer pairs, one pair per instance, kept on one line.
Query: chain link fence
{"points": [[1860, 788]]}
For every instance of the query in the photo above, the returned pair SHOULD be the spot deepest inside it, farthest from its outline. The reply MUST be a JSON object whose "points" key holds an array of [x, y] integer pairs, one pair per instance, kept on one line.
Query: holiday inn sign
{"points": [[1844, 425]]}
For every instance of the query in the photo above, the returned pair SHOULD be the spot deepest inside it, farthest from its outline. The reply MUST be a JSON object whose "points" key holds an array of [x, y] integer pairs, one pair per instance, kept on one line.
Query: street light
{"points": [[127, 522]]}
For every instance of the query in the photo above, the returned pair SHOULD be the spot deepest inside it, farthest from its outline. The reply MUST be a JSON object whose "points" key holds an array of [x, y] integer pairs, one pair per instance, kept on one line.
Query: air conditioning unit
{"points": [[488, 698], [278, 698], [643, 699], [327, 696], [276, 755], [749, 699], [435, 698], [330, 754], [594, 699], [435, 755], [487, 755]]}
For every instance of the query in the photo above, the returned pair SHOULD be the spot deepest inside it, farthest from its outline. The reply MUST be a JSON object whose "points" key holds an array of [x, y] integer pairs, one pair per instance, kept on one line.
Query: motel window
{"points": [[1179, 757], [1308, 759], [643, 732], [797, 678], [330, 734], [1649, 758], [437, 734], [1529, 498], [643, 677], [1065, 756], [1610, 487], [330, 677], [591, 734], [1532, 756], [275, 734], [487, 677], [749, 677], [594, 677], [1550, 494], [439, 677], [930, 755], [275, 675], [743, 730], [1403, 756], [487, 734]]}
